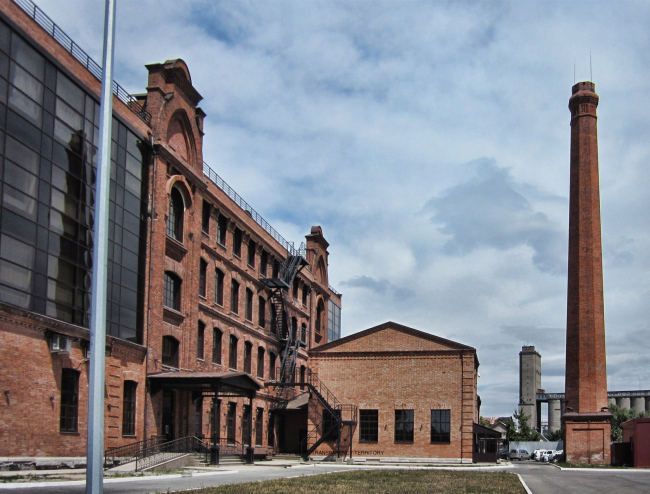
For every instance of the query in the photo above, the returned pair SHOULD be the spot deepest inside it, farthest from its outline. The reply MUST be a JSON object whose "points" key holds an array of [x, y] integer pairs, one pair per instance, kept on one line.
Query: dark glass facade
{"points": [[48, 156]]}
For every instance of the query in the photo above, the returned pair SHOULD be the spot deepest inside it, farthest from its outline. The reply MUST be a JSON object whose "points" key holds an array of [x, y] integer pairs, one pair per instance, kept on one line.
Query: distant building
{"points": [[530, 380]]}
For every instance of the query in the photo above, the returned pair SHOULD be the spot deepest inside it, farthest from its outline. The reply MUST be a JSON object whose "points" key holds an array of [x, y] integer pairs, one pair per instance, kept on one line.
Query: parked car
{"points": [[535, 454], [542, 454], [559, 456], [519, 454], [504, 454]]}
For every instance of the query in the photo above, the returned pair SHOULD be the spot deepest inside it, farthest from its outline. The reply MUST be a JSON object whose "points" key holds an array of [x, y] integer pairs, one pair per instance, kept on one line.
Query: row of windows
{"points": [[172, 300], [175, 231], [231, 425], [404, 426], [170, 353], [69, 413]]}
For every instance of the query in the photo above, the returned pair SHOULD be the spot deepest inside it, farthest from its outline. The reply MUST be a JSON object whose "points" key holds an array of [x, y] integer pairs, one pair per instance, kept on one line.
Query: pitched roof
{"points": [[448, 344]]}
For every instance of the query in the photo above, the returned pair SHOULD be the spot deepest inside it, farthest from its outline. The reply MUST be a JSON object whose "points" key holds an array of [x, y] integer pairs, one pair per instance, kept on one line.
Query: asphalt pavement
{"points": [[543, 478]]}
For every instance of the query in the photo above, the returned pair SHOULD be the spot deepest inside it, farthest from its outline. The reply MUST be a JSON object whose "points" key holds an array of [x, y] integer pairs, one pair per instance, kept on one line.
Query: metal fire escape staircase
{"points": [[335, 419], [279, 287]]}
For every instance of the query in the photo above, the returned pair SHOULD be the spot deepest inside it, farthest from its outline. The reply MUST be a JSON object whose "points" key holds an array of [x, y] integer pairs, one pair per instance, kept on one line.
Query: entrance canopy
{"points": [[222, 383]]}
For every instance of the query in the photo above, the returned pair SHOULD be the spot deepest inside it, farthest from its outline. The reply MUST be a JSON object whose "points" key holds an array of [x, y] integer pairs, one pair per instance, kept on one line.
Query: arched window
{"points": [[320, 309], [261, 316], [232, 354], [260, 362], [172, 295], [249, 304], [217, 336], [218, 287], [175, 218], [234, 297], [272, 359], [170, 351], [303, 332], [200, 340], [203, 270]]}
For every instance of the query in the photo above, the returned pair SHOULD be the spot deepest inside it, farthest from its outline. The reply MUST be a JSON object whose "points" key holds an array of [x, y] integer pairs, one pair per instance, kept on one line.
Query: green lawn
{"points": [[382, 481]]}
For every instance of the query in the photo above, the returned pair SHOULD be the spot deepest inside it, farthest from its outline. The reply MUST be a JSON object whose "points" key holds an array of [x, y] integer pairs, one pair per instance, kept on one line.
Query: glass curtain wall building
{"points": [[48, 157]]}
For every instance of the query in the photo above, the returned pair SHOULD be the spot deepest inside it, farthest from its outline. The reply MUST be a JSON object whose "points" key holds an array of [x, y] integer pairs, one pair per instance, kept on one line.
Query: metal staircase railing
{"points": [[129, 452], [231, 448], [338, 413], [169, 450]]}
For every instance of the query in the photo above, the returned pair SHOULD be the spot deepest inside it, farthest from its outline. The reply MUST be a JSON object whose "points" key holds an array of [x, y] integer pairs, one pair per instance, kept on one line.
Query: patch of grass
{"points": [[382, 482], [572, 465]]}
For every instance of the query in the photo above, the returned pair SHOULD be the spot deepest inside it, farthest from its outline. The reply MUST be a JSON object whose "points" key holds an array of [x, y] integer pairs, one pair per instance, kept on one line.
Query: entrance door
{"points": [[168, 415]]}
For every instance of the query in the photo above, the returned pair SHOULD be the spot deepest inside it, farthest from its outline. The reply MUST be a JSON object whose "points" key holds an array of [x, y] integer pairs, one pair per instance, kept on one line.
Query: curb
{"points": [[27, 485]]}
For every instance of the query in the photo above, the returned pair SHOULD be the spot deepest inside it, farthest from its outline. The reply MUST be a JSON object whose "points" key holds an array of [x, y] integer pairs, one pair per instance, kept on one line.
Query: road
{"points": [[542, 478]]}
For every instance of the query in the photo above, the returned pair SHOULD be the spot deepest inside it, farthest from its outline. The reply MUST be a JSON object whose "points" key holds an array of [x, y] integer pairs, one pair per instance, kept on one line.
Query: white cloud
{"points": [[356, 115]]}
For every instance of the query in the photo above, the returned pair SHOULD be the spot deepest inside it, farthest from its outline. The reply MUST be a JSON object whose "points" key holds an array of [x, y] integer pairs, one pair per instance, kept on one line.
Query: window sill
{"points": [[252, 266], [172, 316], [217, 364], [220, 244], [368, 442], [207, 234], [175, 249], [403, 442], [218, 305], [237, 256], [202, 297], [69, 433], [134, 436], [249, 320], [200, 359], [234, 314]]}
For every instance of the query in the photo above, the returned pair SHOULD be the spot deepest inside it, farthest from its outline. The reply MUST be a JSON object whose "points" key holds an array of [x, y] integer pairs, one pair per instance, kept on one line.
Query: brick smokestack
{"points": [[586, 368]]}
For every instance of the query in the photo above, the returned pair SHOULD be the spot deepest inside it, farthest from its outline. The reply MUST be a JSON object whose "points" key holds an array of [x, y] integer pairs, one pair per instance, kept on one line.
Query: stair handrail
{"points": [[174, 448], [129, 452], [232, 447]]}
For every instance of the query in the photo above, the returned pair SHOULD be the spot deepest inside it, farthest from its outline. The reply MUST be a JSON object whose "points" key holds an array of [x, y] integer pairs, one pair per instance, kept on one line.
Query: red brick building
{"points": [[416, 393], [217, 326], [187, 262]]}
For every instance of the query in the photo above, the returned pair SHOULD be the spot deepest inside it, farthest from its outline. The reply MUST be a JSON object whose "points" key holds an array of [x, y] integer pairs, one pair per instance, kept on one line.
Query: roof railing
{"points": [[93, 67], [230, 192]]}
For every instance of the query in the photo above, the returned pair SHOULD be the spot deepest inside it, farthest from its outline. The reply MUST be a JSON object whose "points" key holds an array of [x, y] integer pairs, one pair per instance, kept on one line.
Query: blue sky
{"points": [[430, 140]]}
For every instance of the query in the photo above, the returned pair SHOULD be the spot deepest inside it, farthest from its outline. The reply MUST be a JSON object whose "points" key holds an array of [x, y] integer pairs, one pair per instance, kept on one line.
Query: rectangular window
{"points": [[222, 226], [203, 269], [261, 310], [234, 297], [440, 426], [246, 425], [198, 418], [264, 261], [199, 340], [232, 354], [305, 293], [403, 426], [251, 253], [260, 362], [368, 426], [259, 424], [218, 287], [231, 422], [296, 284], [69, 400], [248, 350], [216, 346], [236, 242], [249, 304], [205, 217], [128, 408], [170, 351]]}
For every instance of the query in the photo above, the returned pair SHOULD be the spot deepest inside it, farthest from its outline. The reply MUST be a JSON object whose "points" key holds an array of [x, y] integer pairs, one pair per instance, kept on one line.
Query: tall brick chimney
{"points": [[587, 426]]}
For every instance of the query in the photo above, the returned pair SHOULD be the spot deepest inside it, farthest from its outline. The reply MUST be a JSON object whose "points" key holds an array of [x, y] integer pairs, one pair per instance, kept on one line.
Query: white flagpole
{"points": [[95, 448]]}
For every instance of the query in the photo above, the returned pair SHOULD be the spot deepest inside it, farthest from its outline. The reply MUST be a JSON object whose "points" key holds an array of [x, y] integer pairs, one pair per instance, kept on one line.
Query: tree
{"points": [[525, 432], [620, 415], [557, 435], [483, 422]]}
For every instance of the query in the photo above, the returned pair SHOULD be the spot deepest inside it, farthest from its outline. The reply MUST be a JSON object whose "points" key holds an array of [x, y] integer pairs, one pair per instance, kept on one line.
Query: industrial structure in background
{"points": [[530, 380]]}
